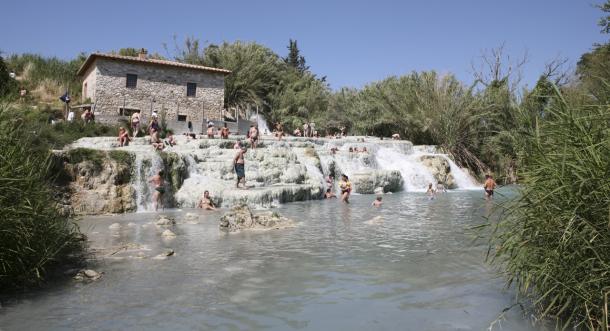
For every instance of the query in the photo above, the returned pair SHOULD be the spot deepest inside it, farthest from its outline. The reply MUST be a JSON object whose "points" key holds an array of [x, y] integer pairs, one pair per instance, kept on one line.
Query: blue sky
{"points": [[350, 42]]}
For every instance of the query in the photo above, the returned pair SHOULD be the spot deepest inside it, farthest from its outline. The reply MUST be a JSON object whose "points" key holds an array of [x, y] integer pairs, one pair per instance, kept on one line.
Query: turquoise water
{"points": [[414, 267]]}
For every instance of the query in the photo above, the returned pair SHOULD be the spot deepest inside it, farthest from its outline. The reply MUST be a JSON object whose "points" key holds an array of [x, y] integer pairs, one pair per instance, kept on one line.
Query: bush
{"points": [[554, 240], [34, 237]]}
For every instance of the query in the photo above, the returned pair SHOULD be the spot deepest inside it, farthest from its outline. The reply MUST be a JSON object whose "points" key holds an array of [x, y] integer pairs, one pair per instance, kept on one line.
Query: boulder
{"points": [[242, 218], [165, 255], [368, 182], [440, 169], [165, 221]]}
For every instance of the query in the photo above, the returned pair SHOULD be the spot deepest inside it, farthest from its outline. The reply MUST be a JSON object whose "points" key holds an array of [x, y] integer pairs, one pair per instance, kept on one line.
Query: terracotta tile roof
{"points": [[93, 56]]}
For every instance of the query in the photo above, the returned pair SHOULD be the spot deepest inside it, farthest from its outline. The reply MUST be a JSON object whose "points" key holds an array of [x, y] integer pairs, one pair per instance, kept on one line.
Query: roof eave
{"points": [[91, 58]]}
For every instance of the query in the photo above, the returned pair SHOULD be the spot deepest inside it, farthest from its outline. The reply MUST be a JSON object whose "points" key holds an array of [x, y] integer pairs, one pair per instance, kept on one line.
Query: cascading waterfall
{"points": [[291, 170], [146, 166], [415, 175]]}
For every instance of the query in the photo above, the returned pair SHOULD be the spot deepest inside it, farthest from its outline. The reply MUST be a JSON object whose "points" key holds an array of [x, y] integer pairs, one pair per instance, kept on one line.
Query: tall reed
{"points": [[34, 237], [553, 241]]}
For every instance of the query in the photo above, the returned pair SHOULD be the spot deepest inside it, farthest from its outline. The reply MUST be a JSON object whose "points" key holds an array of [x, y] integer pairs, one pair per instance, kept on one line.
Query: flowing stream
{"points": [[410, 265]]}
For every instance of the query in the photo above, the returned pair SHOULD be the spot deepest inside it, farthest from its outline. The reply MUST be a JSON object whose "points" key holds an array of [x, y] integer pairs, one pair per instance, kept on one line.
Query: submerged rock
{"points": [[242, 218], [114, 226], [88, 274], [168, 234], [377, 220], [165, 221], [164, 255]]}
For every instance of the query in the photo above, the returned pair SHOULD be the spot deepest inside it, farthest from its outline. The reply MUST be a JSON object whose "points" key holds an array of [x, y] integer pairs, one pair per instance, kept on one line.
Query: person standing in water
{"points": [[157, 181], [431, 192], [239, 166], [346, 188], [489, 186]]}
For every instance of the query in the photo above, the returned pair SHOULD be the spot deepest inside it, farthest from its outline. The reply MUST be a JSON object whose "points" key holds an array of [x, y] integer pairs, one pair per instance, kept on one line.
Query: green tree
{"points": [[294, 58]]}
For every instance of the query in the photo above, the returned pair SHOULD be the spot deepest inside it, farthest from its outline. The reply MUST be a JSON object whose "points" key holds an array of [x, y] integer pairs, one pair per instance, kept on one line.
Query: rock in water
{"points": [[88, 274], [168, 234], [165, 221], [241, 218], [164, 255], [114, 226], [377, 220]]}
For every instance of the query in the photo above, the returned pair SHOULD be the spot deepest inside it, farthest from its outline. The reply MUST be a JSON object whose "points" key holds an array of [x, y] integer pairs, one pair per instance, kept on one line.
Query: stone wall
{"points": [[160, 88]]}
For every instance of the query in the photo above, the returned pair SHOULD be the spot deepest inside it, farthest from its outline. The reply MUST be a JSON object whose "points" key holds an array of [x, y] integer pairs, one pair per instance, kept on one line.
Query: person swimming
{"points": [[377, 202]]}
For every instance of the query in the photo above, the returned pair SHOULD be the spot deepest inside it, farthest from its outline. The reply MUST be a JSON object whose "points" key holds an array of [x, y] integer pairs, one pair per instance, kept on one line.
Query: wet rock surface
{"points": [[440, 169], [242, 218]]}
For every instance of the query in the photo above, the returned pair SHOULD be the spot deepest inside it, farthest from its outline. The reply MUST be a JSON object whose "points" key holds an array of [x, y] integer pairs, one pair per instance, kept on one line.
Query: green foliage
{"points": [[294, 58], [47, 76], [604, 22], [78, 155], [594, 72], [553, 241], [7, 84], [34, 237], [45, 136]]}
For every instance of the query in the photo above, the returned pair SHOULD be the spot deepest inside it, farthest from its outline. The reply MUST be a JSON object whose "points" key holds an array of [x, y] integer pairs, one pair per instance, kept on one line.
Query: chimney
{"points": [[142, 54]]}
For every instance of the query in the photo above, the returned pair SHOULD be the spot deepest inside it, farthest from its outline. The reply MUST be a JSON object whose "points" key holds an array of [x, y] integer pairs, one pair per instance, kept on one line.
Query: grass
{"points": [[553, 242], [34, 237]]}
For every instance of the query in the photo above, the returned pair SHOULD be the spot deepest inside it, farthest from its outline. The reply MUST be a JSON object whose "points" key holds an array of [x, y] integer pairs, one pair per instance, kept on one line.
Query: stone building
{"points": [[181, 93]]}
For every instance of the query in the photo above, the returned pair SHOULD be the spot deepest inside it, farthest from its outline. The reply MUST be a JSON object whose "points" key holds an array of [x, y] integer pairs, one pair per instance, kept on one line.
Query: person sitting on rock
{"points": [[155, 140], [396, 136], [123, 137], [170, 140], [206, 202], [377, 202]]}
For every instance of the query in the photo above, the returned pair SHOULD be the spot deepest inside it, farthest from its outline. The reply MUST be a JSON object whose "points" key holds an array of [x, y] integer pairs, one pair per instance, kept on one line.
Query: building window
{"points": [[191, 89], [132, 81], [181, 118], [127, 111]]}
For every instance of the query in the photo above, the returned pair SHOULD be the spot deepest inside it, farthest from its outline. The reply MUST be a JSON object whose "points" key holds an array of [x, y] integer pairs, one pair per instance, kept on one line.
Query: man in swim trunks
{"points": [[489, 186], [206, 202], [346, 188], [239, 166], [157, 181], [253, 135]]}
